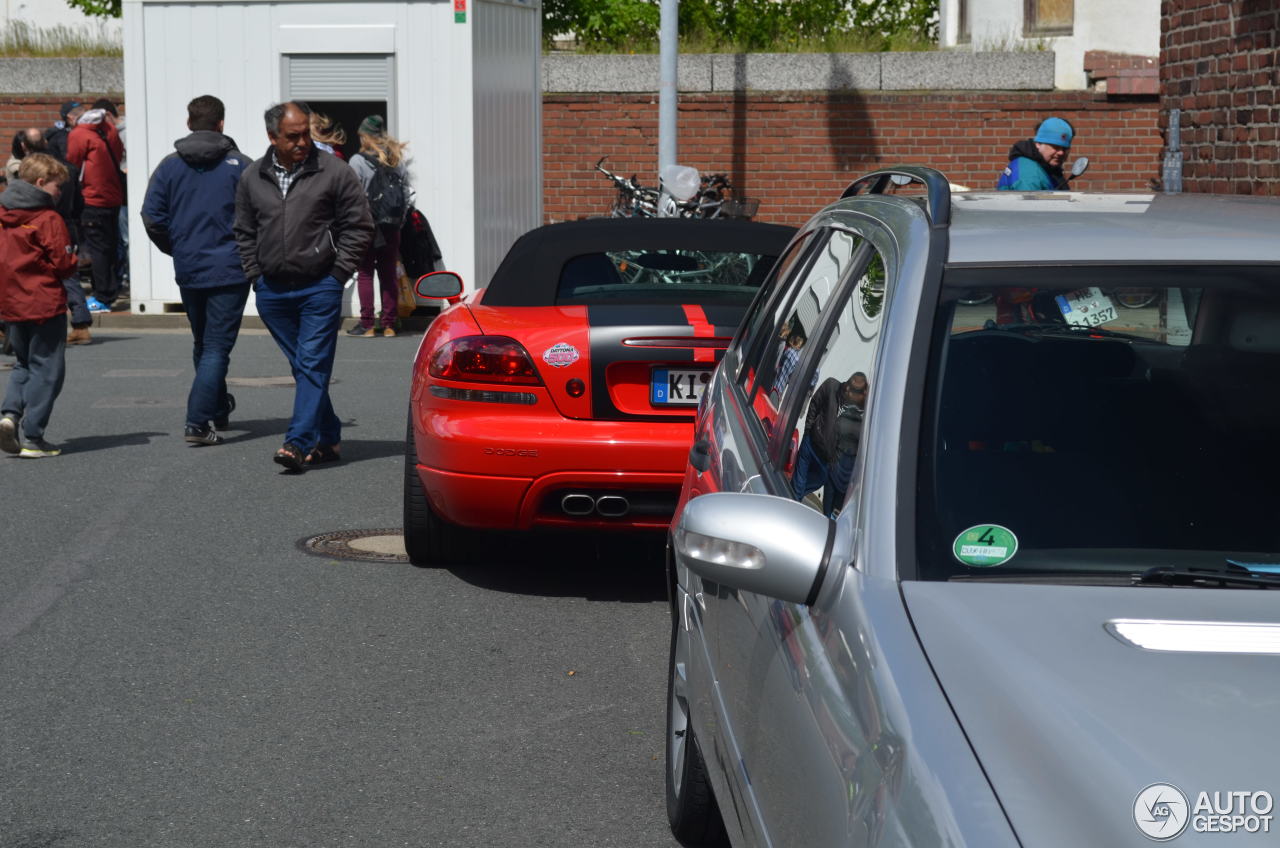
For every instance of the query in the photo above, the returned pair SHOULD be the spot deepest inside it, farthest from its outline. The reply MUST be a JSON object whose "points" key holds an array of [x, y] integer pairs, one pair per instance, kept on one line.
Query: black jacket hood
{"points": [[21, 195], [204, 148]]}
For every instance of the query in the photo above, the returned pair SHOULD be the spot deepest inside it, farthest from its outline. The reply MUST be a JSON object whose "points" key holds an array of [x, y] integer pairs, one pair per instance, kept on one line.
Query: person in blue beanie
{"points": [[1035, 164]]}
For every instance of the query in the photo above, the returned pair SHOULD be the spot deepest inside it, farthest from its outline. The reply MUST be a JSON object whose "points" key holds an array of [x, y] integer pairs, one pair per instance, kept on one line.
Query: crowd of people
{"points": [[292, 226]]}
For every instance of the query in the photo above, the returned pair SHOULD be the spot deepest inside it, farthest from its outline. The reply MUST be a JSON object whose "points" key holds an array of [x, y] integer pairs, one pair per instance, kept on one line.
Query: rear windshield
{"points": [[1102, 421], [662, 276]]}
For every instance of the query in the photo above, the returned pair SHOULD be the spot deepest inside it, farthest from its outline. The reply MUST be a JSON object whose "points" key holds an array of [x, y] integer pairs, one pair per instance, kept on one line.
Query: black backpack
{"points": [[388, 195]]}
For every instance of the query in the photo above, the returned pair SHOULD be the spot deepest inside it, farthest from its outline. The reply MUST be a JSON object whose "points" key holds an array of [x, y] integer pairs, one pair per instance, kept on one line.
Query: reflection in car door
{"points": [[776, 690]]}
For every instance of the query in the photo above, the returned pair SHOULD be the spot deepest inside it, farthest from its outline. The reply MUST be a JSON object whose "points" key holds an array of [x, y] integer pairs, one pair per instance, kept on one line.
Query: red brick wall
{"points": [[1218, 65], [19, 111], [798, 152]]}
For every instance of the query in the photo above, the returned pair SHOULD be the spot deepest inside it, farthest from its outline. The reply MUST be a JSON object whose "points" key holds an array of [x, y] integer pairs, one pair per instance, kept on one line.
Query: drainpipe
{"points": [[669, 47], [1171, 173]]}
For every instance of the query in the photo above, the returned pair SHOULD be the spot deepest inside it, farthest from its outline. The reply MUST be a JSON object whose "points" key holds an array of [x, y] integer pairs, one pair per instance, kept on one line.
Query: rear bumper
{"points": [[503, 471]]}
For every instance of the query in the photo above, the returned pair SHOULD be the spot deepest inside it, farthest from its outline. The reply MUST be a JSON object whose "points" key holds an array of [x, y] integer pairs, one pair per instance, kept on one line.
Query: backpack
{"points": [[388, 195]]}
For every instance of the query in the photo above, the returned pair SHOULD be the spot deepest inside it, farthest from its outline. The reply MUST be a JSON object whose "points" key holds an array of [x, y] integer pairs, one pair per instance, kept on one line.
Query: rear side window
{"points": [[793, 319], [662, 276]]}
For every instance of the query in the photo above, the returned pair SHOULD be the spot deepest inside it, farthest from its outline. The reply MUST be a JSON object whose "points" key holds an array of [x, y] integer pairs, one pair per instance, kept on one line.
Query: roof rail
{"points": [[935, 183]]}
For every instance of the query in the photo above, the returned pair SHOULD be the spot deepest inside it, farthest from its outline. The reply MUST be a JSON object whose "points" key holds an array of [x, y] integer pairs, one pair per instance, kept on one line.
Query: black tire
{"points": [[691, 806], [429, 539]]}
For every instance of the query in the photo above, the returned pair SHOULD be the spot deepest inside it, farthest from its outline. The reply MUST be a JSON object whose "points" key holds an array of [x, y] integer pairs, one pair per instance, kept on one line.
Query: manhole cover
{"points": [[368, 545]]}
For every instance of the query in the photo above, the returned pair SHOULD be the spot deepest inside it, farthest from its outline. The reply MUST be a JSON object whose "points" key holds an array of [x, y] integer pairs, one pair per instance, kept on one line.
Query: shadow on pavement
{"points": [[85, 444], [623, 567]]}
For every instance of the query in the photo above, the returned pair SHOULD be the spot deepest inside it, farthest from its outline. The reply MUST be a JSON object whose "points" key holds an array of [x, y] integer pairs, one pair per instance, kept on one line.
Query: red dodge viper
{"points": [[563, 394]]}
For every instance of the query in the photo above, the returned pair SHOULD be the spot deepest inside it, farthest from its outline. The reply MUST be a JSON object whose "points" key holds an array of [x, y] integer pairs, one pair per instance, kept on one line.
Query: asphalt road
{"points": [[175, 671]]}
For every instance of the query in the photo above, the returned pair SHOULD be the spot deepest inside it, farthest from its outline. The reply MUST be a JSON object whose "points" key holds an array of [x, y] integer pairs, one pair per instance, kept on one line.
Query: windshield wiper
{"points": [[1232, 575], [1063, 328]]}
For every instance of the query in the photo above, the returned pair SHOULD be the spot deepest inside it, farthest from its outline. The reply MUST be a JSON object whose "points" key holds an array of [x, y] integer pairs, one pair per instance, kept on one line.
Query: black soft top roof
{"points": [[529, 273]]}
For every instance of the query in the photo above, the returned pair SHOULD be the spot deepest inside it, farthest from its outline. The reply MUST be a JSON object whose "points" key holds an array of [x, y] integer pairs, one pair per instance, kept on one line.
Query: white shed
{"points": [[458, 79]]}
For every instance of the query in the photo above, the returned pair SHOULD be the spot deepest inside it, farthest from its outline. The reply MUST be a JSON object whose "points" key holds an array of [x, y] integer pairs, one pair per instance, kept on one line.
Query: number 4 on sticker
{"points": [[988, 537]]}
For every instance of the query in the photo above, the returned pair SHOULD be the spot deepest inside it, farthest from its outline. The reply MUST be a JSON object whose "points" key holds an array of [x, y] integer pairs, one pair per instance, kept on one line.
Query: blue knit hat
{"points": [[1055, 131]]}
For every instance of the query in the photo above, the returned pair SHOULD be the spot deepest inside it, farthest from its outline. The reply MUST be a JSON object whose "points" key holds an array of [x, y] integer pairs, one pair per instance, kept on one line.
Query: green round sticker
{"points": [[985, 545]]}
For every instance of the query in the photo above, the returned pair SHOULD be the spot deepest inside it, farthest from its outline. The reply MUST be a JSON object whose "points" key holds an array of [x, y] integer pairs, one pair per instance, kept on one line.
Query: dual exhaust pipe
{"points": [[581, 504]]}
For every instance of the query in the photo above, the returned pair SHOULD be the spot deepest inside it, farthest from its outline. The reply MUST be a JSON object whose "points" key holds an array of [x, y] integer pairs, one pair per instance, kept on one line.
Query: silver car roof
{"points": [[1001, 227]]}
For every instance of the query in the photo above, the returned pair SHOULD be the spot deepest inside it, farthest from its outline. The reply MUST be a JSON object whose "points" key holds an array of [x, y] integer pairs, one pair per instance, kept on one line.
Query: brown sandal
{"points": [[323, 453], [290, 456]]}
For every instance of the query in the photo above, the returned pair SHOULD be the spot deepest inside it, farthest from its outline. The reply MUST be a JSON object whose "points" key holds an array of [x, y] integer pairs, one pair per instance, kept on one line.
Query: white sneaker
{"points": [[9, 434]]}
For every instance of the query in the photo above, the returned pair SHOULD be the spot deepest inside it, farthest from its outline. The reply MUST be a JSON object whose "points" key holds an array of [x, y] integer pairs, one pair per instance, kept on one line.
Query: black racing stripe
{"points": [[724, 317], [607, 348], [615, 315]]}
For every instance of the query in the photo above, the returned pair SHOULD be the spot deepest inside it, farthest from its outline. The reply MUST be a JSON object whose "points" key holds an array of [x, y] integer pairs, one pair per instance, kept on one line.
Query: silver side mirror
{"points": [[759, 543], [1079, 166]]}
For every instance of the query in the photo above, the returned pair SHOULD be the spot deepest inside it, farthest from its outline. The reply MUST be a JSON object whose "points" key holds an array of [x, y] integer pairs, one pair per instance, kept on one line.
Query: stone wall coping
{"points": [[944, 70], [100, 75]]}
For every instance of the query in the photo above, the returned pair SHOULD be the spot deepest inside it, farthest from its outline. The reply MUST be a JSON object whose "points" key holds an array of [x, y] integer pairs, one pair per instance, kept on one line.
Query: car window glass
{"points": [[794, 318], [818, 459], [626, 276], [1070, 436], [774, 289]]}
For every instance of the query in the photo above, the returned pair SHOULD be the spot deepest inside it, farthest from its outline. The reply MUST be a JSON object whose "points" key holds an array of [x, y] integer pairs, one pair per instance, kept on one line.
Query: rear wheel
{"points": [[428, 538], [691, 807]]}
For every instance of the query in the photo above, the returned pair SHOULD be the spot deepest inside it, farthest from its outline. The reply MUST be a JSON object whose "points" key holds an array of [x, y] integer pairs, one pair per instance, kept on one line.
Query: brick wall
{"points": [[798, 152], [1218, 65], [19, 111]]}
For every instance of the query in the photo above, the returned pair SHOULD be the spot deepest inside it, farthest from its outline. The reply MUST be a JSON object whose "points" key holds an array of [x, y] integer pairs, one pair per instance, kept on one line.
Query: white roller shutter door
{"points": [[339, 77]]}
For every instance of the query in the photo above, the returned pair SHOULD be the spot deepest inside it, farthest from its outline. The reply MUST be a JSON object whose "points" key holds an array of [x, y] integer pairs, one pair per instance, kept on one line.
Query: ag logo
{"points": [[1161, 811]]}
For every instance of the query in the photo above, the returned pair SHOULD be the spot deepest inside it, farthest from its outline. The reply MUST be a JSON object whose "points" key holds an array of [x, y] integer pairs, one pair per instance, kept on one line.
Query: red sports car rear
{"points": [[564, 393]]}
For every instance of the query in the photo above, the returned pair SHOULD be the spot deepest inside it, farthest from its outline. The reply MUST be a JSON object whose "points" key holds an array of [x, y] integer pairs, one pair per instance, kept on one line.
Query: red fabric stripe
{"points": [[701, 328]]}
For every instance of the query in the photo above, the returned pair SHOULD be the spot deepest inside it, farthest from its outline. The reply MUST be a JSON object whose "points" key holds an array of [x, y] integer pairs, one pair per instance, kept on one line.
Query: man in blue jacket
{"points": [[1035, 164], [188, 212]]}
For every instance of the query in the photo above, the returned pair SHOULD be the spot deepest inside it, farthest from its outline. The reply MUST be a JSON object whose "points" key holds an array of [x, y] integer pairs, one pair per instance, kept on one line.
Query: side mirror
{"points": [[443, 284], [768, 545], [1079, 166]]}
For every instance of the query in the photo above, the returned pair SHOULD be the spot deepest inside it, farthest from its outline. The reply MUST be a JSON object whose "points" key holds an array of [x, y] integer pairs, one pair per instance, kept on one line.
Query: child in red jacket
{"points": [[35, 257]]}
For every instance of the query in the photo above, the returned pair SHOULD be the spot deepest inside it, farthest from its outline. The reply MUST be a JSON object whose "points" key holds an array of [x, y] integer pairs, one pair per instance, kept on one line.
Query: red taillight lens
{"points": [[484, 359]]}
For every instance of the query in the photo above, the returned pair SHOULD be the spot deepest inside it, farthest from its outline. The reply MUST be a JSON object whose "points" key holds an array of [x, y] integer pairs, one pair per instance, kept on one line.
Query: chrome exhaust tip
{"points": [[577, 503], [612, 506]]}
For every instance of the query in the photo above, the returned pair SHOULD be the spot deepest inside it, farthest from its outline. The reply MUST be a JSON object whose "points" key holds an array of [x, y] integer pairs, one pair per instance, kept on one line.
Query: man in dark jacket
{"points": [[826, 433], [303, 224], [189, 213], [1035, 164], [57, 134]]}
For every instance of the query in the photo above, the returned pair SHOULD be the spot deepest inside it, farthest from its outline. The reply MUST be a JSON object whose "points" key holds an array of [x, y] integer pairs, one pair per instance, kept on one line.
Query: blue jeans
{"points": [[36, 379], [304, 320], [76, 302], [811, 472], [215, 315]]}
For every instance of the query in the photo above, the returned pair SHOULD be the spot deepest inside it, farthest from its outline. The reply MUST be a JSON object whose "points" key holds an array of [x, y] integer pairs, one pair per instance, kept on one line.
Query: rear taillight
{"points": [[484, 359]]}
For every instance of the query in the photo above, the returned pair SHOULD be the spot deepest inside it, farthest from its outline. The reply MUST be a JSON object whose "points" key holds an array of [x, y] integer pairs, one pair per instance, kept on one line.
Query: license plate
{"points": [[678, 387], [1086, 307]]}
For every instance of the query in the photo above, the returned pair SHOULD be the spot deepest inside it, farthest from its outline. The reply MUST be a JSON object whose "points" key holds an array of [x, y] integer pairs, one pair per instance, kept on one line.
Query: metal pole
{"points": [[668, 44]]}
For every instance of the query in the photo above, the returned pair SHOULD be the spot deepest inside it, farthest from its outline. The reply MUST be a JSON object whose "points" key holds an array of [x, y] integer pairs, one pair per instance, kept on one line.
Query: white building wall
{"points": [[1118, 26], [508, 123], [175, 51]]}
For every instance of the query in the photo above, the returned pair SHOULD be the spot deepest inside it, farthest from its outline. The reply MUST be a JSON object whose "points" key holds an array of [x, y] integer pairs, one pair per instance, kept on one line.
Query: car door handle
{"points": [[700, 455]]}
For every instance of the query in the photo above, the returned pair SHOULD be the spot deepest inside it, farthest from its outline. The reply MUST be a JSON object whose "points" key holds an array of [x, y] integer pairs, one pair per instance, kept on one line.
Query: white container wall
{"points": [[469, 110], [508, 121]]}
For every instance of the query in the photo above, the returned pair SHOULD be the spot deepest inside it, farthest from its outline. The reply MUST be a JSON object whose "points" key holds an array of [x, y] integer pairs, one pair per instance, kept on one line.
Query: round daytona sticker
{"points": [[985, 545], [560, 354]]}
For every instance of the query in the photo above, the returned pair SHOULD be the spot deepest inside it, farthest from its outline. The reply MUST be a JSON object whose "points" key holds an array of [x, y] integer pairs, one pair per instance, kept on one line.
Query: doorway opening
{"points": [[348, 114]]}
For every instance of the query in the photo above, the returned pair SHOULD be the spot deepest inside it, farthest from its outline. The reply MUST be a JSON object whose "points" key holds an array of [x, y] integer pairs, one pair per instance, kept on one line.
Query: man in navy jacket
{"points": [[189, 211]]}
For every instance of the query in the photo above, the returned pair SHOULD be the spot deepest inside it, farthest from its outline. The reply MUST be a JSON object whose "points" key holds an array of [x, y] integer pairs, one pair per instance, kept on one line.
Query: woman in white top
{"points": [[380, 166]]}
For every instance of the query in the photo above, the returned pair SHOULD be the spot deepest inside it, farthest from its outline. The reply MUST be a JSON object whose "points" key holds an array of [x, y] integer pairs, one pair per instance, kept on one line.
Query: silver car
{"points": [[976, 538]]}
